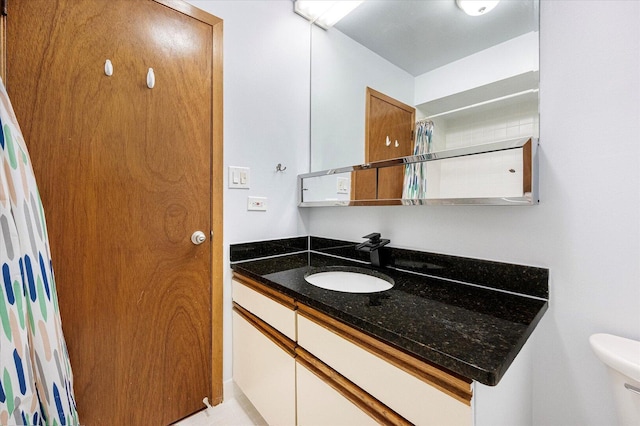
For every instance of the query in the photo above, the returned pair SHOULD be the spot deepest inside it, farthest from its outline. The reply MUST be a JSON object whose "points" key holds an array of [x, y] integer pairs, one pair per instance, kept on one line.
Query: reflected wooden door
{"points": [[389, 134], [125, 174]]}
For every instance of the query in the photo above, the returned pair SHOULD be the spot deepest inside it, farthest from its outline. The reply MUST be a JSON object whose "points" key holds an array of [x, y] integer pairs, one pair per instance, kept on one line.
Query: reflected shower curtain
{"points": [[415, 174], [36, 382]]}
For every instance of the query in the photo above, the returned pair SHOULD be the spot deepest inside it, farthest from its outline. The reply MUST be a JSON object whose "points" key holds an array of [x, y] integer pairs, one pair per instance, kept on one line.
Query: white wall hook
{"points": [[388, 142], [397, 144], [108, 68], [151, 78]]}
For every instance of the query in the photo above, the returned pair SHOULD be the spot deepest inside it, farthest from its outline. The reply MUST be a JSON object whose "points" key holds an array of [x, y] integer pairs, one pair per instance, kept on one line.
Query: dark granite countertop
{"points": [[472, 331]]}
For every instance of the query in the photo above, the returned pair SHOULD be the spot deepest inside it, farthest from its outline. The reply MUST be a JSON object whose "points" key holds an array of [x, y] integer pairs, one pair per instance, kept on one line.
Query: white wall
{"points": [[266, 122], [502, 61], [586, 229]]}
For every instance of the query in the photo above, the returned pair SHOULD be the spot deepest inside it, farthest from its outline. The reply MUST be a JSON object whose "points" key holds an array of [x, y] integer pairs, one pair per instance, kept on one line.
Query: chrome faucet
{"points": [[372, 246]]}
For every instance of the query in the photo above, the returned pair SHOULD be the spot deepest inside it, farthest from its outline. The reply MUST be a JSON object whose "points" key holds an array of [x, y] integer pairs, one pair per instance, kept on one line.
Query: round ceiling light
{"points": [[477, 7]]}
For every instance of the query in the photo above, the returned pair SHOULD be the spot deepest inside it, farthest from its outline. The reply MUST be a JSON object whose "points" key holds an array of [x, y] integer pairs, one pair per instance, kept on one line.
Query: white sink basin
{"points": [[350, 280]]}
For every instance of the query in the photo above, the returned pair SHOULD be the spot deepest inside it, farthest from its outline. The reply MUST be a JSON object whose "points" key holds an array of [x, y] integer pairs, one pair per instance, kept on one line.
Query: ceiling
{"points": [[421, 35]]}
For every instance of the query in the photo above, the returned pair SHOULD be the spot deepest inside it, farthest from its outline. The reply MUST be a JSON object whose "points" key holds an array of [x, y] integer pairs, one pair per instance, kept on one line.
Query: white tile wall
{"points": [[497, 124], [477, 176]]}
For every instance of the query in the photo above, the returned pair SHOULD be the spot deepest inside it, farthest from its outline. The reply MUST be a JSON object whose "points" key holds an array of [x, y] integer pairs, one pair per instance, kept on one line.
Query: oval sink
{"points": [[350, 280]]}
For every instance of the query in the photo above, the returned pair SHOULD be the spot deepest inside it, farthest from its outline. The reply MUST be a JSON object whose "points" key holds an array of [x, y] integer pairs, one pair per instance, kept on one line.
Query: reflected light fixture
{"points": [[325, 13], [477, 7]]}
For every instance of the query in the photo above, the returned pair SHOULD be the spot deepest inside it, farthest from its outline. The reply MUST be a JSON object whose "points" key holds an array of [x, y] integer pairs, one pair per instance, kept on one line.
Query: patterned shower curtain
{"points": [[36, 382], [415, 174]]}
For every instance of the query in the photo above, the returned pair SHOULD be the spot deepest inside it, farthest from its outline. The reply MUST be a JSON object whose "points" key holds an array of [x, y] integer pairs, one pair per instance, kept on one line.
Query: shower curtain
{"points": [[415, 174], [36, 382]]}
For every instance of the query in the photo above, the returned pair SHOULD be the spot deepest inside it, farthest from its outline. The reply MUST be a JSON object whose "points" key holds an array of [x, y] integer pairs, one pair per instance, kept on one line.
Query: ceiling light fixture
{"points": [[325, 13], [477, 7]]}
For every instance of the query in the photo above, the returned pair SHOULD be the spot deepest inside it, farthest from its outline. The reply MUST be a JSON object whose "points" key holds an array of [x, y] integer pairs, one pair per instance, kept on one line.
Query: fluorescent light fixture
{"points": [[325, 13], [477, 7]]}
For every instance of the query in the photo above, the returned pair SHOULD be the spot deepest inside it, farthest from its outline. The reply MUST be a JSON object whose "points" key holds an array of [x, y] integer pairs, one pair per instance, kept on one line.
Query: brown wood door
{"points": [[125, 174], [389, 134]]}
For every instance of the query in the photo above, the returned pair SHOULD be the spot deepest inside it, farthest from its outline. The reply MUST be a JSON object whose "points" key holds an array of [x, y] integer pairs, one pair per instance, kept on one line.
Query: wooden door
{"points": [[388, 134], [127, 175]]}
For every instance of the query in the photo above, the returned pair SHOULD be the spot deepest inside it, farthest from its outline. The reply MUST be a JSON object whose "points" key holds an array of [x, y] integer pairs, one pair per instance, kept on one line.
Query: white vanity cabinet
{"points": [[264, 367], [420, 393], [300, 366]]}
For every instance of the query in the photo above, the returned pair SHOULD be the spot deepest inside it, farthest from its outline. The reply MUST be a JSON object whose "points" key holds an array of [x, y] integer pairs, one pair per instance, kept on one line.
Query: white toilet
{"points": [[622, 356]]}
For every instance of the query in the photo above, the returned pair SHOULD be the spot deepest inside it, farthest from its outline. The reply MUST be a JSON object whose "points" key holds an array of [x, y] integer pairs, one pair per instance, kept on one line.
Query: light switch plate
{"points": [[257, 204], [239, 177]]}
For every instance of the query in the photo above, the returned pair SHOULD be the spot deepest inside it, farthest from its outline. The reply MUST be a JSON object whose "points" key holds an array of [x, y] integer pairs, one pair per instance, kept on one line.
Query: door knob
{"points": [[198, 237]]}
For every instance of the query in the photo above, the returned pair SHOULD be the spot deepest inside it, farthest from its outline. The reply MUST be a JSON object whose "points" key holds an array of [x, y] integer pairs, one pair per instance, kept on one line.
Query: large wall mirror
{"points": [[466, 80]]}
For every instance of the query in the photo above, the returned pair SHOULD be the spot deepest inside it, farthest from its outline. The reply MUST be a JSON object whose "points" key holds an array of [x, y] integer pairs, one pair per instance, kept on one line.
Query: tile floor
{"points": [[235, 411]]}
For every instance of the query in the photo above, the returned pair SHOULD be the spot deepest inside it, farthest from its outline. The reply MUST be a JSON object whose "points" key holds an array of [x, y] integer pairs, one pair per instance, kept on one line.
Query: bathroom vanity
{"points": [[410, 355]]}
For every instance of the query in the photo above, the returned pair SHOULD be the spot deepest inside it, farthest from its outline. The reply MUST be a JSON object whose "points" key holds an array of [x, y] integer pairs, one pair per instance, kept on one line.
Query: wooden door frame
{"points": [[216, 198], [216, 190]]}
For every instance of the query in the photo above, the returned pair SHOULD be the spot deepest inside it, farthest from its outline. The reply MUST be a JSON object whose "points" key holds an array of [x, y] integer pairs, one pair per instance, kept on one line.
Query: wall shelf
{"points": [[522, 88], [498, 173]]}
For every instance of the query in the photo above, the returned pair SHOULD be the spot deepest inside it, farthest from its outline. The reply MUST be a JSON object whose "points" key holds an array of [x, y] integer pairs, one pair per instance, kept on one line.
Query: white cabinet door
{"points": [[321, 405], [415, 400], [264, 372]]}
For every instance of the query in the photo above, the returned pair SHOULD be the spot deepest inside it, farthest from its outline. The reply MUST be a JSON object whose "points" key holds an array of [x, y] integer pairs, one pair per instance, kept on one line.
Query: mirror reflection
{"points": [[390, 64]]}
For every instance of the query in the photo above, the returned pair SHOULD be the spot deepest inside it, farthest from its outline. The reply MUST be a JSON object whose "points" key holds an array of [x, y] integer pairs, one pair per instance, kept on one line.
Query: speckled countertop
{"points": [[472, 331]]}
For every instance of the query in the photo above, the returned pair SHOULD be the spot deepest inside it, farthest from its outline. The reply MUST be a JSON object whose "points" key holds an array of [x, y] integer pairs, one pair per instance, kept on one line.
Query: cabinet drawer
{"points": [[416, 400], [265, 372], [320, 404], [247, 294]]}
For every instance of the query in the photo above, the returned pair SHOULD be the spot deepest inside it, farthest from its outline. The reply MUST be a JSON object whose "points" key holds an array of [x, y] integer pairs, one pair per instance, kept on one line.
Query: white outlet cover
{"points": [[257, 204]]}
